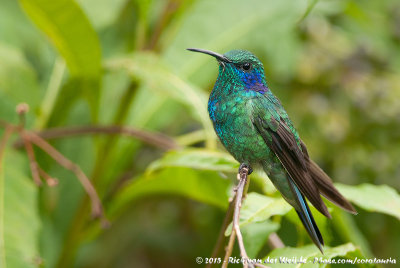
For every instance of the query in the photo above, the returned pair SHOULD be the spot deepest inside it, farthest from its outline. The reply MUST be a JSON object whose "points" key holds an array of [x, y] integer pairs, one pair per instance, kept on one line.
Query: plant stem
{"points": [[51, 93]]}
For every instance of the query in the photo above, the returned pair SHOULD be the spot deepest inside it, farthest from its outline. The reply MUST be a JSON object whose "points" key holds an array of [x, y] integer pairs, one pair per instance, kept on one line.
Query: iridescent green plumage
{"points": [[254, 127]]}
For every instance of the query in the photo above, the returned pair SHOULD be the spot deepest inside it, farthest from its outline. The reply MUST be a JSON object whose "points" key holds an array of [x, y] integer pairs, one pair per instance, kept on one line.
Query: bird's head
{"points": [[239, 67]]}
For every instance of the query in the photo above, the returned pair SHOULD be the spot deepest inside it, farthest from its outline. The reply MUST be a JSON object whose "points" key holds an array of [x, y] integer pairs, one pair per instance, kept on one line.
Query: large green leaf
{"points": [[19, 215], [377, 198], [256, 234], [203, 186], [258, 208], [67, 27], [197, 158], [307, 256]]}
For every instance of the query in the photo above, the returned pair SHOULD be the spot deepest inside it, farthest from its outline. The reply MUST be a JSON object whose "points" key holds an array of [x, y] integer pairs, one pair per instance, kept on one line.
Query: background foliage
{"points": [[334, 65]]}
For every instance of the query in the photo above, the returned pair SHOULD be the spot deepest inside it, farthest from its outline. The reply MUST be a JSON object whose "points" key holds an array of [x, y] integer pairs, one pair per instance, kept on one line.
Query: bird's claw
{"points": [[247, 166]]}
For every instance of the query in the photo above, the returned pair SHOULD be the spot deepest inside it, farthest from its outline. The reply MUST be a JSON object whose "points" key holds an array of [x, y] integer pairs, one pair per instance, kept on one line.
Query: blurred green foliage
{"points": [[334, 65]]}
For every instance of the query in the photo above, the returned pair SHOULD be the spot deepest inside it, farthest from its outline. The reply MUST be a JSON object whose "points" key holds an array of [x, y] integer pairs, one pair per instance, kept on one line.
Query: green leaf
{"points": [[18, 81], [307, 256], [376, 198], [256, 234], [102, 12], [258, 208], [19, 215], [348, 230], [204, 186], [66, 25], [196, 158]]}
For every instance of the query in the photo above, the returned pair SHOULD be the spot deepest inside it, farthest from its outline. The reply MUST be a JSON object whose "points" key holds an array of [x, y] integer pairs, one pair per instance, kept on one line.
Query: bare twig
{"points": [[51, 181], [97, 209], [229, 248], [32, 159], [166, 15], [155, 139], [27, 138], [240, 193], [21, 110], [242, 177], [274, 241], [221, 236]]}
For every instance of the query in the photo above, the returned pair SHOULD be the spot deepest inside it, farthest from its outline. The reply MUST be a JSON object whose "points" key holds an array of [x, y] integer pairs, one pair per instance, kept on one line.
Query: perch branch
{"points": [[242, 176], [240, 192], [243, 179]]}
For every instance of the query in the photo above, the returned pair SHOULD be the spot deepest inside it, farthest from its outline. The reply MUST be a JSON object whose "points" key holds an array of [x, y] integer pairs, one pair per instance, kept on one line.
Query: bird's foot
{"points": [[247, 166]]}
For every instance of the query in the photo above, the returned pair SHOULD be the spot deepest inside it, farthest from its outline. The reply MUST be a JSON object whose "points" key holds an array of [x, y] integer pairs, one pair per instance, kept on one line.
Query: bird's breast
{"points": [[232, 120]]}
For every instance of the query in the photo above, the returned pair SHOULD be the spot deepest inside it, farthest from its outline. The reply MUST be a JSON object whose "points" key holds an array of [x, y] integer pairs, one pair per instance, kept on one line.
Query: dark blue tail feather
{"points": [[307, 218]]}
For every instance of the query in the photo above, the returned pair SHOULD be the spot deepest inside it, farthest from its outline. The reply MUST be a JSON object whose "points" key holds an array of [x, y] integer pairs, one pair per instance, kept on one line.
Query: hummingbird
{"points": [[255, 129]]}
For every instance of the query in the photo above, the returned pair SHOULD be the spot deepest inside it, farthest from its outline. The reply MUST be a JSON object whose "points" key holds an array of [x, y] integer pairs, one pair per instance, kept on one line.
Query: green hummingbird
{"points": [[255, 128]]}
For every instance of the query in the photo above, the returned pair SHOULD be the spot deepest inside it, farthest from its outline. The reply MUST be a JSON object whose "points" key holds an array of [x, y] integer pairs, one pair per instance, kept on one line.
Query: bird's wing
{"points": [[273, 124], [327, 188]]}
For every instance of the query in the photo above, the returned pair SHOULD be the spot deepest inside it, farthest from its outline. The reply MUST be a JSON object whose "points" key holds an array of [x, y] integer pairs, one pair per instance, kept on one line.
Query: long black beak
{"points": [[219, 57]]}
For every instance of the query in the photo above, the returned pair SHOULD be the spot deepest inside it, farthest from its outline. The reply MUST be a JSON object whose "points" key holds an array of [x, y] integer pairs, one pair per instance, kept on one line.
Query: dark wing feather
{"points": [[295, 161], [327, 188]]}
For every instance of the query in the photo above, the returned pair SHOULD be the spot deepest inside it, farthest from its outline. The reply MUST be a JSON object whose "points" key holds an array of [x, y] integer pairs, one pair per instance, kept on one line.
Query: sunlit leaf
{"points": [[19, 215], [376, 198], [67, 27], [198, 159], [258, 208]]}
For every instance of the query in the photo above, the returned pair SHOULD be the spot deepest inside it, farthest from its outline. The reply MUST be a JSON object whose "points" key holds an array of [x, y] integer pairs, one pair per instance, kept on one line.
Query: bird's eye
{"points": [[246, 66]]}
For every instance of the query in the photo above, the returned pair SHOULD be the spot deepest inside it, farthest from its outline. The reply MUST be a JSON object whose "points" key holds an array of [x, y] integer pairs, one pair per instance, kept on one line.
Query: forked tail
{"points": [[306, 217]]}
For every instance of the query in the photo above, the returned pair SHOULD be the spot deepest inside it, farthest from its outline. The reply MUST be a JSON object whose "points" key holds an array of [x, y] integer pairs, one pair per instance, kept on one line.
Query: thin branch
{"points": [[242, 176], [51, 181], [32, 159], [240, 193], [168, 11], [97, 209], [274, 241], [229, 248], [155, 139], [221, 236]]}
